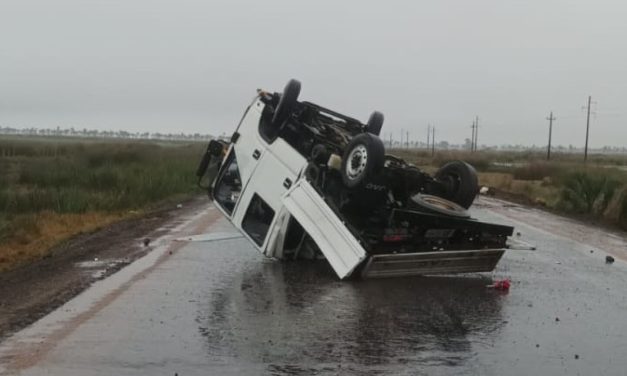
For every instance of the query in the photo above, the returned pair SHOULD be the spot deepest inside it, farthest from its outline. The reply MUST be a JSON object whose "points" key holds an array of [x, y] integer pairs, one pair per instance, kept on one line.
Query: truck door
{"points": [[276, 171], [248, 145], [335, 241], [241, 160]]}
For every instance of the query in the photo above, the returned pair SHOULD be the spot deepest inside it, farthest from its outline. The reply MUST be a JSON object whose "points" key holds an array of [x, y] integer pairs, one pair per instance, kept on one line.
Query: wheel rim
{"points": [[441, 203], [357, 160]]}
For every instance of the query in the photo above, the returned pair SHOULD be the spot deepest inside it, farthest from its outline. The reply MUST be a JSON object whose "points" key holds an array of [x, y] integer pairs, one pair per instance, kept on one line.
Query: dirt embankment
{"points": [[29, 292]]}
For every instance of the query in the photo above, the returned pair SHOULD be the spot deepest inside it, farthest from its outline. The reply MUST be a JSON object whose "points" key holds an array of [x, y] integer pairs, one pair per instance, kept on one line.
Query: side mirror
{"points": [[214, 149]]}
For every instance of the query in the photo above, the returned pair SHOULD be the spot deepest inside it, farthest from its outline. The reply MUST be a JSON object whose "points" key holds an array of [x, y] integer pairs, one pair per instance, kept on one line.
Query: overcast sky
{"points": [[193, 66]]}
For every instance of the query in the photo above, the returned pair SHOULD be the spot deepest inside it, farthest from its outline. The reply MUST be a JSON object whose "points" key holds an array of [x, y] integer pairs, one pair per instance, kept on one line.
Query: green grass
{"points": [[42, 175], [589, 191]]}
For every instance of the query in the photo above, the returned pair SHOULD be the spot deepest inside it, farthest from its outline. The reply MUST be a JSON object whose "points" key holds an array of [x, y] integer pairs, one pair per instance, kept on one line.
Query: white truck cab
{"points": [[299, 180], [259, 190]]}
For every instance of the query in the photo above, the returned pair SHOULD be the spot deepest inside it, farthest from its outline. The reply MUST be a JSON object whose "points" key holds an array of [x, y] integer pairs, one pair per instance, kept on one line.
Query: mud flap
{"points": [[423, 263], [335, 241]]}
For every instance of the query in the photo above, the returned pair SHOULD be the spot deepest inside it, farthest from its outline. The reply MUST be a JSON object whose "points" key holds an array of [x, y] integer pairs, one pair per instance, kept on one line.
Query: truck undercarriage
{"points": [[397, 219]]}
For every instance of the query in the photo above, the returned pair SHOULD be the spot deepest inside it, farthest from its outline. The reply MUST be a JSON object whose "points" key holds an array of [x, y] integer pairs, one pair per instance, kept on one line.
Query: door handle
{"points": [[256, 154], [287, 183]]}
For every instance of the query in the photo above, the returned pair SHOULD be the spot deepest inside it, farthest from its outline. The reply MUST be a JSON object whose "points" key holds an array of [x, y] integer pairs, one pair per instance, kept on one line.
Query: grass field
{"points": [[51, 189]]}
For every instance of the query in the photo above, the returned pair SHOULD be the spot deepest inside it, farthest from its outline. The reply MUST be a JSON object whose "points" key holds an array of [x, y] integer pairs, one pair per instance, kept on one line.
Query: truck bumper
{"points": [[426, 263]]}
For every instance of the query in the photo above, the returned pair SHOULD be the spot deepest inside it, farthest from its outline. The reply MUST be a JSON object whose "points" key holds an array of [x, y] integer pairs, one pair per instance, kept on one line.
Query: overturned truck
{"points": [[302, 181]]}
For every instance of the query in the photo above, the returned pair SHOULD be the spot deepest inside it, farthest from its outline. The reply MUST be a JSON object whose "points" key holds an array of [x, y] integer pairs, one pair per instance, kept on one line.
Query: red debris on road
{"points": [[502, 284]]}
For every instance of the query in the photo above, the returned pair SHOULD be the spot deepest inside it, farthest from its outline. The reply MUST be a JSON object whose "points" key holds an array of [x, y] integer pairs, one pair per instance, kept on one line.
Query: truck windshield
{"points": [[229, 185]]}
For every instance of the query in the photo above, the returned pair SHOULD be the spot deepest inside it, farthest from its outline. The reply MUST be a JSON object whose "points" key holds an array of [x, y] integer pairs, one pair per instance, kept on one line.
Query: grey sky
{"points": [[193, 66]]}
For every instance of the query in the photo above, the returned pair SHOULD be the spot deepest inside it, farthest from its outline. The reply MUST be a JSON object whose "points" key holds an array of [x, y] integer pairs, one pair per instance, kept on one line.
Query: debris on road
{"points": [[146, 242], [210, 237], [502, 284], [609, 259], [520, 245], [179, 206]]}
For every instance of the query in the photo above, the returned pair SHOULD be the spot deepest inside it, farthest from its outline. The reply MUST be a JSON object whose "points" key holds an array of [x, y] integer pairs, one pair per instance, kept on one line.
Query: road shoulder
{"points": [[36, 289]]}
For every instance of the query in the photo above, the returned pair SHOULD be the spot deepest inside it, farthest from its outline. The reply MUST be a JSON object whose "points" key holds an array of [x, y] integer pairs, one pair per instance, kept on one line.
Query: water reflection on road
{"points": [[296, 317]]}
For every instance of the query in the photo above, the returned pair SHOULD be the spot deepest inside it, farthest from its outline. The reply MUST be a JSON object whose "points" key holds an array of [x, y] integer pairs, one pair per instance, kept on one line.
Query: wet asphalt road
{"points": [[219, 308]]}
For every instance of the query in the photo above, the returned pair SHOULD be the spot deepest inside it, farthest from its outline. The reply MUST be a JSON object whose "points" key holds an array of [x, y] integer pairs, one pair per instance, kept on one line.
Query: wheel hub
{"points": [[357, 160]]}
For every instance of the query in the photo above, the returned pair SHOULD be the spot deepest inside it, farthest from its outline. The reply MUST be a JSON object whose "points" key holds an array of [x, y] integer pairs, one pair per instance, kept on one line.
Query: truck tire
{"points": [[287, 102], [436, 205], [319, 154], [460, 180], [363, 158], [375, 122], [312, 173]]}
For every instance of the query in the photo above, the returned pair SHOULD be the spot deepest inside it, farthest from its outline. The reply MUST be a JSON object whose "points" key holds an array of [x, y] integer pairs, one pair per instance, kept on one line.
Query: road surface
{"points": [[210, 305]]}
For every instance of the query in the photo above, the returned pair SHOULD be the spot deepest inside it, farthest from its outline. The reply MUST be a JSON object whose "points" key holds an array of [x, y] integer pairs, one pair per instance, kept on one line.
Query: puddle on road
{"points": [[98, 268], [288, 314]]}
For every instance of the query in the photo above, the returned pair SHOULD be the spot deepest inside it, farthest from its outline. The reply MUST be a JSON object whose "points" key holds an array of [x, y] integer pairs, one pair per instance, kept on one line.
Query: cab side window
{"points": [[257, 220], [229, 185]]}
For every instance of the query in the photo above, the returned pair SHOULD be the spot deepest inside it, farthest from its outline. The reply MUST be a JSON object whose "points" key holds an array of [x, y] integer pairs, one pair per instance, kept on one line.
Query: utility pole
{"points": [[400, 146], [548, 149], [391, 142], [428, 135], [433, 142], [476, 132], [472, 140], [407, 139], [585, 153]]}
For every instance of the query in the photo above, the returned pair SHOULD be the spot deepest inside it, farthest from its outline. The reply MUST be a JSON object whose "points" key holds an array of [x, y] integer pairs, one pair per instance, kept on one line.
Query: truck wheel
{"points": [[375, 122], [460, 180], [312, 173], [319, 154], [363, 158], [287, 102], [437, 205]]}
